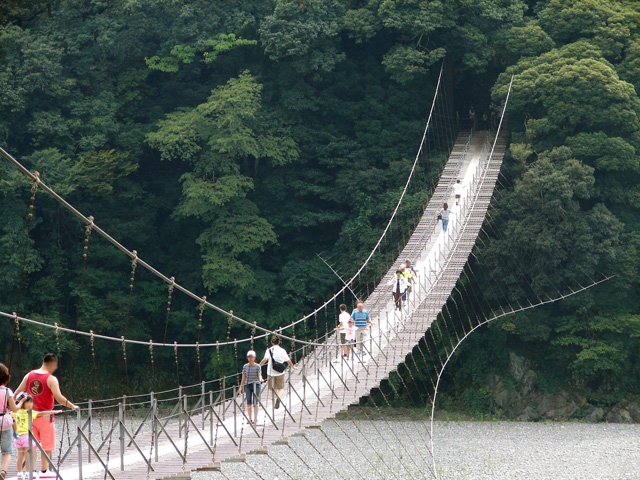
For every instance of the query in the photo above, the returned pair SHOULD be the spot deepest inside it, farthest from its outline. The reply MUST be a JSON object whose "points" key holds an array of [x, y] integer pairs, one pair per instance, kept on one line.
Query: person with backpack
{"points": [[251, 380], [277, 358], [7, 405]]}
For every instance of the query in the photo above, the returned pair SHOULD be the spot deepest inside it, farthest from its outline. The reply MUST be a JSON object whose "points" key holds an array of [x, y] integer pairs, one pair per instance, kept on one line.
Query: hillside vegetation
{"points": [[228, 141]]}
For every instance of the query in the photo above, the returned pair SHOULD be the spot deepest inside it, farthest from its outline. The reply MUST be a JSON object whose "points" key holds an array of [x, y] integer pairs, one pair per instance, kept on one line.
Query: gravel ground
{"points": [[464, 450]]}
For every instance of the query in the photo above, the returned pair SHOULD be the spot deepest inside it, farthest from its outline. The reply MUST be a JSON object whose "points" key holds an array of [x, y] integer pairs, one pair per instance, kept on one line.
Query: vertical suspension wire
{"points": [[85, 254], [95, 363], [196, 365], [175, 354], [30, 214], [124, 362], [166, 323], [153, 372]]}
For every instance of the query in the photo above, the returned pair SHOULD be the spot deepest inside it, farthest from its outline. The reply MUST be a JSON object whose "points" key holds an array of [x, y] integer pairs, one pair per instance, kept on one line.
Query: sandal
{"points": [[3, 474]]}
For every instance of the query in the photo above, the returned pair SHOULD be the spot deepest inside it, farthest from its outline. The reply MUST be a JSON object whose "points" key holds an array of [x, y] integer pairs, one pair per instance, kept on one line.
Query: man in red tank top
{"points": [[44, 388]]}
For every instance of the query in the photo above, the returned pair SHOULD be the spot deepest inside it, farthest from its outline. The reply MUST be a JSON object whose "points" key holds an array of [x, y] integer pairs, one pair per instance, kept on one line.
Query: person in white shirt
{"points": [[399, 285], [343, 323], [350, 336], [457, 191], [275, 379]]}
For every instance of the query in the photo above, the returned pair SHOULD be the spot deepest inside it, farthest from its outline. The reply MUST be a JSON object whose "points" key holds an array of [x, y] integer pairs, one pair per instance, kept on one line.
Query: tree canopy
{"points": [[229, 142]]}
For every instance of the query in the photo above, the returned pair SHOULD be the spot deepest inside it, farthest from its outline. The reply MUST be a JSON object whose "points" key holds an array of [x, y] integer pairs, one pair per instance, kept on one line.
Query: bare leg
{"points": [[6, 460], [45, 463]]}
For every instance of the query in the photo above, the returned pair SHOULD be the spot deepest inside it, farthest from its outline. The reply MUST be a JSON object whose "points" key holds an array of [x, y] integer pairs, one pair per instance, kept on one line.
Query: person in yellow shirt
{"points": [[21, 434]]}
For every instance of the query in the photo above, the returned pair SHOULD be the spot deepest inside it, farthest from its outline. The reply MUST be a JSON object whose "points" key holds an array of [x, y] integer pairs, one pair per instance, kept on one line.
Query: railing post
{"points": [[90, 413], [211, 416], [288, 390], [224, 394], [304, 375], [124, 409], [154, 423], [32, 462], [180, 412], [185, 411], [79, 420], [121, 438], [235, 412], [202, 399]]}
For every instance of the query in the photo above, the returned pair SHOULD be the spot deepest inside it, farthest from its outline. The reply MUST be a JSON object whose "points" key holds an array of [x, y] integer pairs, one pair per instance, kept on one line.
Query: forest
{"points": [[230, 142]]}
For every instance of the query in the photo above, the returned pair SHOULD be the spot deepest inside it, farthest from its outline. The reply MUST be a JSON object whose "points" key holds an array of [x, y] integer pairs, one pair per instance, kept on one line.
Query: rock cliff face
{"points": [[516, 396]]}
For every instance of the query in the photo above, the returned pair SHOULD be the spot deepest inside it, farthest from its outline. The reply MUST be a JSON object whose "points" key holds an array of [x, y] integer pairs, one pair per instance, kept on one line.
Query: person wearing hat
{"points": [[251, 380]]}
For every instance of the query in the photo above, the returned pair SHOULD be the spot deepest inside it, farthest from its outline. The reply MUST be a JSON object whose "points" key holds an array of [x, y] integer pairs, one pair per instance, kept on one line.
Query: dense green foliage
{"points": [[230, 141]]}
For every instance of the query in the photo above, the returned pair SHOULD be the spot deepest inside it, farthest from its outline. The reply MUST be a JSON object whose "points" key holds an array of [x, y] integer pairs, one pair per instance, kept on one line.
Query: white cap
{"points": [[251, 353]]}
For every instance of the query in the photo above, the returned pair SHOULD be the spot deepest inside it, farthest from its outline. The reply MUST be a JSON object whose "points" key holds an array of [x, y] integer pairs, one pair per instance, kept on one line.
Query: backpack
{"points": [[275, 365], [6, 421]]}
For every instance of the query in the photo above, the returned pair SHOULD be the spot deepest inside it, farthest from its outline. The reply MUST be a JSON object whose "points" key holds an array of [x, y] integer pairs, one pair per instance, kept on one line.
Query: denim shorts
{"points": [[6, 442], [252, 390]]}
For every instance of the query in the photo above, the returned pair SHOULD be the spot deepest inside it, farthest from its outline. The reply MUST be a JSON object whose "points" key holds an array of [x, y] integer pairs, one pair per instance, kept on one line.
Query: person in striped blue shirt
{"points": [[361, 319]]}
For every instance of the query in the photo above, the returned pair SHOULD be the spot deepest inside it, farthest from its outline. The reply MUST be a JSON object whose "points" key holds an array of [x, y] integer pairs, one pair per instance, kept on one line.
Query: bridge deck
{"points": [[324, 383]]}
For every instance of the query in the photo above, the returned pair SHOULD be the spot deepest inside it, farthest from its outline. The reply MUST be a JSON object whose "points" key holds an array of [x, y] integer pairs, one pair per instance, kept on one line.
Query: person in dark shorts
{"points": [[251, 380], [343, 318]]}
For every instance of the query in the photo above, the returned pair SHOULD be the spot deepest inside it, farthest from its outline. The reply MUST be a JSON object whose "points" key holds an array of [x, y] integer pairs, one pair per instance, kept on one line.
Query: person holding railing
{"points": [[251, 380], [44, 388], [7, 405]]}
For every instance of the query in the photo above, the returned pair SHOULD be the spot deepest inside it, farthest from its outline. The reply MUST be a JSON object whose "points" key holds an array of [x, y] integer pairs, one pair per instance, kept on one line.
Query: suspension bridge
{"points": [[164, 434]]}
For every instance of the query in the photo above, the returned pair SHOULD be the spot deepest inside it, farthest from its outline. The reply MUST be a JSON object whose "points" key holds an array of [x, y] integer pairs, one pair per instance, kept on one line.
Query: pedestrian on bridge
{"points": [[350, 336], [361, 320], [406, 273], [21, 428], [444, 216], [251, 380], [343, 320], [44, 388], [399, 284], [414, 273], [457, 191], [7, 405], [277, 358]]}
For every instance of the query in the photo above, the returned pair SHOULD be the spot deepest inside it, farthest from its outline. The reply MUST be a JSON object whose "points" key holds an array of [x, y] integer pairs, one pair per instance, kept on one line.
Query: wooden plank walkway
{"points": [[325, 384]]}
